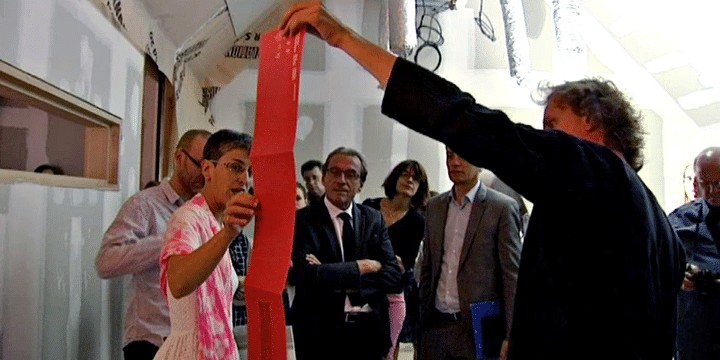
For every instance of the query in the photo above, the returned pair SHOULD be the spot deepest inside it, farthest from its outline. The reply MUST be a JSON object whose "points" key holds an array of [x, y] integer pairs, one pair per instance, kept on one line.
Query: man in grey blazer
{"points": [[471, 253]]}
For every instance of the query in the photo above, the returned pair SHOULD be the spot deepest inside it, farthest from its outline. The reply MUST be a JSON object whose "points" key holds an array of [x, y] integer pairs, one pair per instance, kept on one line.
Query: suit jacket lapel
{"points": [[438, 222], [476, 214], [326, 223]]}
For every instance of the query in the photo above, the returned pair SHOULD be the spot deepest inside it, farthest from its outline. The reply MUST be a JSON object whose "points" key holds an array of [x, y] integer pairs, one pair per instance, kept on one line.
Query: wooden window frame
{"points": [[159, 126], [102, 131]]}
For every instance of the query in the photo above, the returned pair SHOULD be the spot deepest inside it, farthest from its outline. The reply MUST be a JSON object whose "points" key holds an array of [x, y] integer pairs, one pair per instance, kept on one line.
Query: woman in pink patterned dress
{"points": [[195, 268]]}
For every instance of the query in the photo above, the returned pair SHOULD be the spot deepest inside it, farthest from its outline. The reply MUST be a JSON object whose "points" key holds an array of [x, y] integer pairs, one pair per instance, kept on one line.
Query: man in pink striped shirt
{"points": [[132, 244]]}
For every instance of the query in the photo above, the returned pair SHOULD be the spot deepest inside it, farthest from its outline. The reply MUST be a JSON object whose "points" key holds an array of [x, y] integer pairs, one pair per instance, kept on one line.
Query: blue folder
{"points": [[489, 325]]}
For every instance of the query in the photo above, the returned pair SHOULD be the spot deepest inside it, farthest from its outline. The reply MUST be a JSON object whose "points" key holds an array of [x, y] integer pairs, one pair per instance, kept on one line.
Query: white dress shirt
{"points": [[337, 221]]}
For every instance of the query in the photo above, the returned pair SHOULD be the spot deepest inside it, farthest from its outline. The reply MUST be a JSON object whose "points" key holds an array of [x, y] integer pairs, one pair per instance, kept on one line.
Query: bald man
{"points": [[697, 225]]}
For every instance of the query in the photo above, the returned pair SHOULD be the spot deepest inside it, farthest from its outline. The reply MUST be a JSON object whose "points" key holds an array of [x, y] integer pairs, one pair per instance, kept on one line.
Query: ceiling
{"points": [[674, 42]]}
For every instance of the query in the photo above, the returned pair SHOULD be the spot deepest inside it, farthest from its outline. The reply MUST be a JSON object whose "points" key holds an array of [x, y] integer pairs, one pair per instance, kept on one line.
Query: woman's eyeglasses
{"points": [[235, 167]]}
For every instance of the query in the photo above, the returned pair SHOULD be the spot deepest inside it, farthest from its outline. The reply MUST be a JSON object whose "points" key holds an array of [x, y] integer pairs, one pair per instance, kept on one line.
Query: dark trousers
{"points": [[447, 339], [698, 336], [140, 350], [354, 338]]}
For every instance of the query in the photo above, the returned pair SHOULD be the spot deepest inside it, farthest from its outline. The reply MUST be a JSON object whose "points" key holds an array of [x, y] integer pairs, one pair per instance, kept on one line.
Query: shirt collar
{"points": [[171, 195], [335, 211], [470, 196]]}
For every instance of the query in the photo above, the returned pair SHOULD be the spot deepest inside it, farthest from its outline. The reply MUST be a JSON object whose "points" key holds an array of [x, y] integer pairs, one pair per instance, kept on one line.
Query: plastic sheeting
{"points": [[401, 23], [135, 22], [569, 40], [214, 52]]}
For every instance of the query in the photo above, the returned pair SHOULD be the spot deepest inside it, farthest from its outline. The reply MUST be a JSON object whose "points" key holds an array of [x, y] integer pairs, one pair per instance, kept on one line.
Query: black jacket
{"points": [[600, 267], [320, 291]]}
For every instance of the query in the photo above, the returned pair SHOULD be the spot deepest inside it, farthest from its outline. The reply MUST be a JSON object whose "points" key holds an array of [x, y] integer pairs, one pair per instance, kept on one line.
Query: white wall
{"points": [[53, 305]]}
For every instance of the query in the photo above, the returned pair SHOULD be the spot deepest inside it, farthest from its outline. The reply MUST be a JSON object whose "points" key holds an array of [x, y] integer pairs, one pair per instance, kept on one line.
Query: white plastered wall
{"points": [[52, 303]]}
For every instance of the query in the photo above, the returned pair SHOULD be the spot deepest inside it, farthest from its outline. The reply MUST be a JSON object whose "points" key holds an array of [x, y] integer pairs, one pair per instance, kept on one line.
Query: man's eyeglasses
{"points": [[196, 162], [708, 184], [235, 167], [351, 175]]}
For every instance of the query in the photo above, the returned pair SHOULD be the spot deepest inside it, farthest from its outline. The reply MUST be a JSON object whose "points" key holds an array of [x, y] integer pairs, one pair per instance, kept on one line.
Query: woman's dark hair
{"points": [[56, 170], [604, 104], [390, 184]]}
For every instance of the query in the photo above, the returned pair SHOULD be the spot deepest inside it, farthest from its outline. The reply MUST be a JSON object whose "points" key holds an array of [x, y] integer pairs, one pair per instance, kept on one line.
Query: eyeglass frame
{"points": [[230, 165], [192, 159], [349, 174]]}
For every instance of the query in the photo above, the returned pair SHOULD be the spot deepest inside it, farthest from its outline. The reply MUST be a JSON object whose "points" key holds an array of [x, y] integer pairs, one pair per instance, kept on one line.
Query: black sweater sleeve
{"points": [[534, 162]]}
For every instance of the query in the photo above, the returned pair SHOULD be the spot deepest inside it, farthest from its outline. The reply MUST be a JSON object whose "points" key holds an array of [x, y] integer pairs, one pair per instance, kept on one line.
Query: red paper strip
{"points": [[273, 165]]}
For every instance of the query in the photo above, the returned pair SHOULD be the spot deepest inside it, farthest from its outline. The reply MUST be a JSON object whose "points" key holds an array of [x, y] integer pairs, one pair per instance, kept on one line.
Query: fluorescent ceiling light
{"points": [[699, 99], [666, 62]]}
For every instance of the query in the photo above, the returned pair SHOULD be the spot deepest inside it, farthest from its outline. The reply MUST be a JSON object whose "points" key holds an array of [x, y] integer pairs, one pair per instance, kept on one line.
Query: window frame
{"points": [[102, 135]]}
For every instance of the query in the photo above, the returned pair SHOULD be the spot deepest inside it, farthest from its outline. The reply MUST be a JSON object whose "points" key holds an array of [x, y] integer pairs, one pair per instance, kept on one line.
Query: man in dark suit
{"points": [[344, 267], [311, 172], [471, 254]]}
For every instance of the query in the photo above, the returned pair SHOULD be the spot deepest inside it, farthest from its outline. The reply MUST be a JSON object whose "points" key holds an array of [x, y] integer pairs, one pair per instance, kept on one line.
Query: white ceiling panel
{"points": [[669, 80], [650, 30]]}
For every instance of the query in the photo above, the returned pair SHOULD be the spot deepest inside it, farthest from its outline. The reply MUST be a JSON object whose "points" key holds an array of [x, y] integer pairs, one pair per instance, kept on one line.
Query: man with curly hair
{"points": [[601, 266]]}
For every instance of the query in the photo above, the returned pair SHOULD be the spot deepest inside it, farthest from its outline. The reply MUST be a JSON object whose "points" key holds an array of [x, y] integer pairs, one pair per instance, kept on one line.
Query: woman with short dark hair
{"points": [[196, 271]]}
